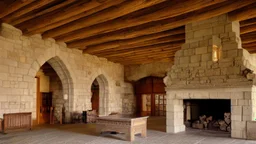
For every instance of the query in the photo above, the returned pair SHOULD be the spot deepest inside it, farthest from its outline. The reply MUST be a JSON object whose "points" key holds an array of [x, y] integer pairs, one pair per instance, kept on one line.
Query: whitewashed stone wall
{"points": [[137, 72], [21, 57], [195, 76]]}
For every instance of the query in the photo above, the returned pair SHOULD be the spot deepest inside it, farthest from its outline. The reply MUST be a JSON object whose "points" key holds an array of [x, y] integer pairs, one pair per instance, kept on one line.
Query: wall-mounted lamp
{"points": [[216, 49], [65, 96]]}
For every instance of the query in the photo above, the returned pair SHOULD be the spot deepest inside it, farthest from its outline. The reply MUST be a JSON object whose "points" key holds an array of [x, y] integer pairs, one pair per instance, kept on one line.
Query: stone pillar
{"points": [[174, 114]]}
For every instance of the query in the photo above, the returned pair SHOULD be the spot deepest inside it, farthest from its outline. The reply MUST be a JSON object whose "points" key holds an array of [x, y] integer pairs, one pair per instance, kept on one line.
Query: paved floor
{"points": [[85, 134]]}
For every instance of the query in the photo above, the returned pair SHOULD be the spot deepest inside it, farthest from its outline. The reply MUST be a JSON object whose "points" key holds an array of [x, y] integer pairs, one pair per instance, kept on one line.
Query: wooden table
{"points": [[124, 124]]}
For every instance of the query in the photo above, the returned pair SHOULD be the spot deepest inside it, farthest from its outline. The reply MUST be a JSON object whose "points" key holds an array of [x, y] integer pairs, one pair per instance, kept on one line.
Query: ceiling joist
{"points": [[102, 16], [26, 9], [174, 9], [125, 31], [171, 38], [54, 16], [34, 15], [14, 7], [54, 24]]}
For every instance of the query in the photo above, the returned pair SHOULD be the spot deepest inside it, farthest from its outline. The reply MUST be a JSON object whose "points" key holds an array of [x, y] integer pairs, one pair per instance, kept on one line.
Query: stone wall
{"points": [[21, 57], [193, 63], [57, 96], [137, 72], [129, 100], [195, 75]]}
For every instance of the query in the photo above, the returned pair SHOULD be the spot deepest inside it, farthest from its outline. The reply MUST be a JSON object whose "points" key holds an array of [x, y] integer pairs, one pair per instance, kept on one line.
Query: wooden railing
{"points": [[15, 121]]}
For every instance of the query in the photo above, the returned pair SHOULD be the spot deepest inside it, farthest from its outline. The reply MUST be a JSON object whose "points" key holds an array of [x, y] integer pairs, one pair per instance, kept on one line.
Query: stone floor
{"points": [[85, 134]]}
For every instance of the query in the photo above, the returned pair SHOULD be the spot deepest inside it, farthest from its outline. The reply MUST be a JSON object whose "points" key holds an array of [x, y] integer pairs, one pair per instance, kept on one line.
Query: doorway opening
{"points": [[95, 96], [100, 95], [151, 97], [50, 101]]}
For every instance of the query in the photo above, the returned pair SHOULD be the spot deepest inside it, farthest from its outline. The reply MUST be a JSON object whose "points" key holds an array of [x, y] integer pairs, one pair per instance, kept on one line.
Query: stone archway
{"points": [[67, 84], [103, 95], [66, 80]]}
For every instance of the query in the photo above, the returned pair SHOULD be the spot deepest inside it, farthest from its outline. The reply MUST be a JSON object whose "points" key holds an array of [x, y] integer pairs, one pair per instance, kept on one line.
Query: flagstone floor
{"points": [[86, 134]]}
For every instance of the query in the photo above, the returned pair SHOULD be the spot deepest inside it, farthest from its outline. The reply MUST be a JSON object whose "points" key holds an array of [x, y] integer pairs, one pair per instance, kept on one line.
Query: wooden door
{"points": [[160, 104], [150, 95], [146, 109], [45, 107], [95, 100]]}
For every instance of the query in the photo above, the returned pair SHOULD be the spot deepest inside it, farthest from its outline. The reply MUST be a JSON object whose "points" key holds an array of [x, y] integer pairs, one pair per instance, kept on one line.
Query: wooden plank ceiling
{"points": [[125, 31]]}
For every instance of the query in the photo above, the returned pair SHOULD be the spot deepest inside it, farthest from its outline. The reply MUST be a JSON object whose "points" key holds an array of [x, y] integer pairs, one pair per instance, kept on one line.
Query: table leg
{"points": [[130, 137], [144, 132]]}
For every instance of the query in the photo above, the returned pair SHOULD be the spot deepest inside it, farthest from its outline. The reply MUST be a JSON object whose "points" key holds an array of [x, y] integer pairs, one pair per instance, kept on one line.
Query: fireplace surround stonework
{"points": [[195, 76]]}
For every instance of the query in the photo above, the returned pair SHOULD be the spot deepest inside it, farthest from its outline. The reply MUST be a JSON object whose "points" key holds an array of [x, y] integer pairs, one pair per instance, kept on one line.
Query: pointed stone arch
{"points": [[65, 76], [103, 95]]}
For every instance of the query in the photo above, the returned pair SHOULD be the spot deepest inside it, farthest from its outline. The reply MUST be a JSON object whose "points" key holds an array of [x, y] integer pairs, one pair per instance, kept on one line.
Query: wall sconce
{"points": [[216, 49], [65, 96]]}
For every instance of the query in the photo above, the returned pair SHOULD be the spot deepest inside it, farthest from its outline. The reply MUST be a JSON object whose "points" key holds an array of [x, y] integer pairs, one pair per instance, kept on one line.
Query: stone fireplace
{"points": [[201, 72]]}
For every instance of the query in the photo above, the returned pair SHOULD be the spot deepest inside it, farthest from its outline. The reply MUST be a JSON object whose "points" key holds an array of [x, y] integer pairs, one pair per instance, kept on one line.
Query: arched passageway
{"points": [[54, 89], [100, 95]]}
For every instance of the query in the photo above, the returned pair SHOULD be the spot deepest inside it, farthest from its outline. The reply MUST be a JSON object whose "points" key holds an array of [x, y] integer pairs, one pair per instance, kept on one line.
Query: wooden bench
{"points": [[16, 121]]}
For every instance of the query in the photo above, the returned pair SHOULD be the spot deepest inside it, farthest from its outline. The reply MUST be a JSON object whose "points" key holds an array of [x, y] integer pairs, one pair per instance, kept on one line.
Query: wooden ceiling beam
{"points": [[172, 38], [31, 16], [26, 9], [105, 5], [247, 22], [243, 13], [153, 50], [115, 40], [102, 16], [14, 7], [58, 15], [173, 9], [252, 44], [248, 38], [251, 49], [139, 49], [152, 53], [248, 29], [177, 21]]}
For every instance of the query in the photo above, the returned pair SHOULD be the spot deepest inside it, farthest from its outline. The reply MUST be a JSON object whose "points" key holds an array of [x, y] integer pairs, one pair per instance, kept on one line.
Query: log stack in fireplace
{"points": [[208, 122]]}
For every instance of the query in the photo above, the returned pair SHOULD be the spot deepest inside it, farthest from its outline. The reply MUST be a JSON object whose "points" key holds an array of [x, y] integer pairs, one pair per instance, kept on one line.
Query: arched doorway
{"points": [[54, 89], [95, 95], [100, 95]]}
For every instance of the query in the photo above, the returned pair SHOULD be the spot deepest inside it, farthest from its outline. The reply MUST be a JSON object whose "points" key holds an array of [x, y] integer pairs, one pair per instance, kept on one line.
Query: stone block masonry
{"points": [[195, 75], [21, 57]]}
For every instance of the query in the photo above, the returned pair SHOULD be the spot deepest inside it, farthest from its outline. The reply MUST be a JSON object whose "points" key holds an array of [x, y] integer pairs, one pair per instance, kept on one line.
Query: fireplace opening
{"points": [[211, 114]]}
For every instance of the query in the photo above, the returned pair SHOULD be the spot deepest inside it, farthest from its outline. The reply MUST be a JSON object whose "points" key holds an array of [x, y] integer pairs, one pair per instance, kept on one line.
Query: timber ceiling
{"points": [[125, 31]]}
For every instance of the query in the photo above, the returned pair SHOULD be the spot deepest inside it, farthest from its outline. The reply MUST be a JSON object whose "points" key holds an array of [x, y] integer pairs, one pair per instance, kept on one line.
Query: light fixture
{"points": [[65, 96], [216, 49]]}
